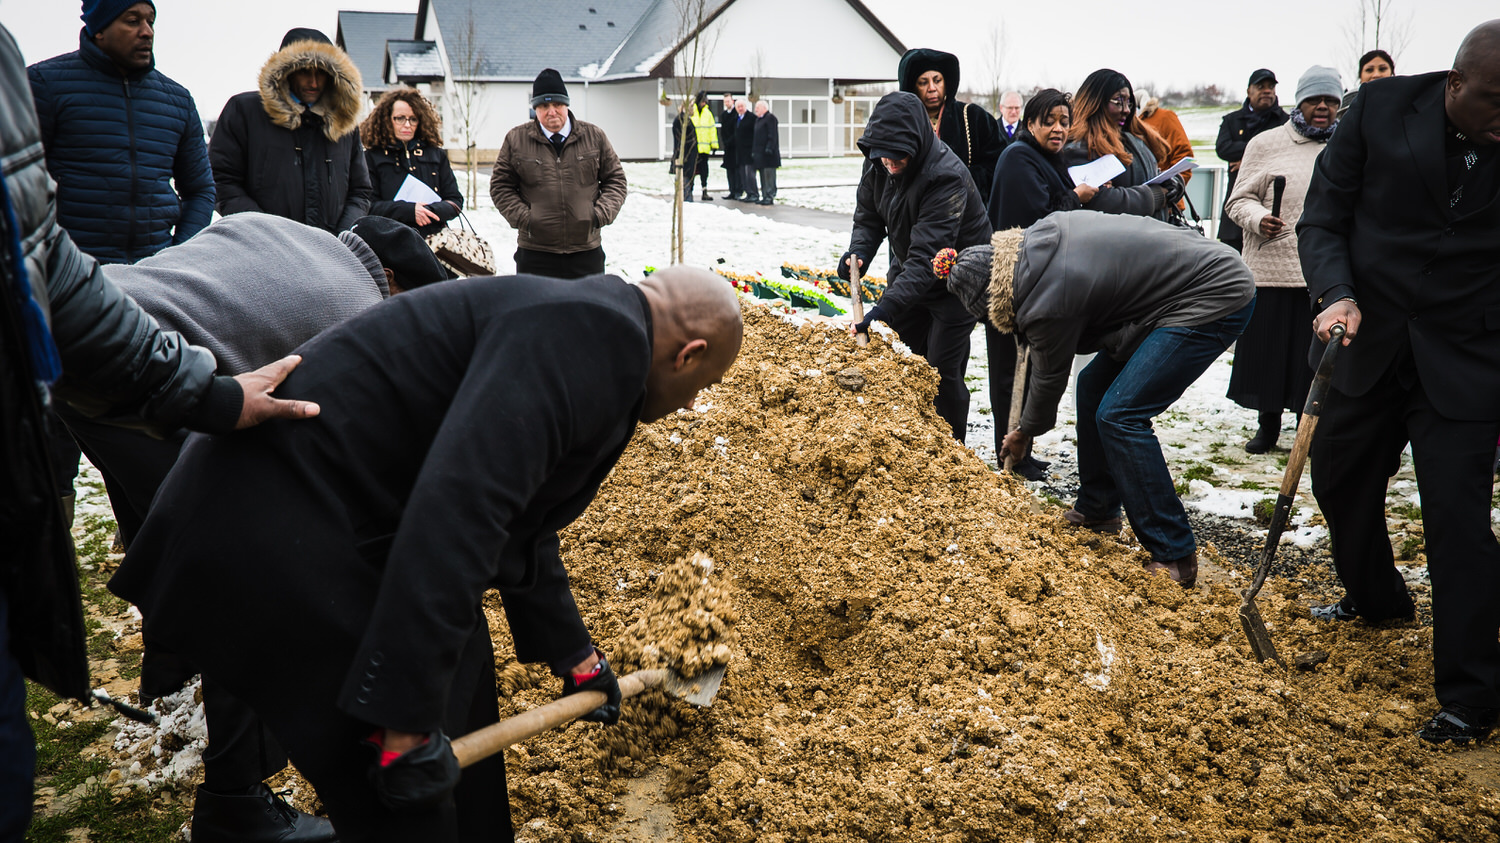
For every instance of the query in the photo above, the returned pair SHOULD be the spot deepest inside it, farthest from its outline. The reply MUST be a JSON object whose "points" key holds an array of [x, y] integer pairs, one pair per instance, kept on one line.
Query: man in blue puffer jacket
{"points": [[117, 134]]}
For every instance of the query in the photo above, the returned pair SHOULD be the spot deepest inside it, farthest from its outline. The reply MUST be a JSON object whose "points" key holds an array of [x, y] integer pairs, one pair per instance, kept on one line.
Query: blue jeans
{"points": [[1119, 457], [17, 746]]}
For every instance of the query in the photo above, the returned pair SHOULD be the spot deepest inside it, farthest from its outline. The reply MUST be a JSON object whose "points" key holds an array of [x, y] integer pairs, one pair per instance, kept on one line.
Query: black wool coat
{"points": [[744, 137], [728, 120], [1377, 225], [766, 151], [1236, 131], [1029, 184], [389, 168], [971, 132], [932, 205], [463, 424]]}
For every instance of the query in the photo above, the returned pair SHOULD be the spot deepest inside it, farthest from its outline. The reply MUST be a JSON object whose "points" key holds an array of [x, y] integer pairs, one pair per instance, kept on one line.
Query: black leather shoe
{"points": [[1458, 724], [706, 197], [1264, 440], [768, 201], [1340, 611], [1030, 468], [256, 816]]}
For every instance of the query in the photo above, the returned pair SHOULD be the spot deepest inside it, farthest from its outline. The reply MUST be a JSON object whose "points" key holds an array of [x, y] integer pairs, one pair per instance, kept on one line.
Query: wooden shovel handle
{"points": [[856, 299], [1017, 394], [481, 744]]}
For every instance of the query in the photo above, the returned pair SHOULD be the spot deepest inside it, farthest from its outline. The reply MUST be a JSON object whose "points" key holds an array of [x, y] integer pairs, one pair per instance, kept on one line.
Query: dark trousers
{"points": [[767, 182], [702, 170], [747, 180], [1000, 352], [241, 752], [17, 745], [326, 745], [550, 265], [64, 454], [132, 464], [938, 329], [736, 183], [1356, 450]]}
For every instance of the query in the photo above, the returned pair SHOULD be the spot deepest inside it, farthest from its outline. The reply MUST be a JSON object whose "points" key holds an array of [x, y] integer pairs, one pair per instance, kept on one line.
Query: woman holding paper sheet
{"points": [[403, 140], [1270, 362], [1105, 123]]}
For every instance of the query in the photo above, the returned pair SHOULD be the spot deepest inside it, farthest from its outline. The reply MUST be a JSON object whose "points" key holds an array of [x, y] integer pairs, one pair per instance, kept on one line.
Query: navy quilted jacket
{"points": [[115, 143]]}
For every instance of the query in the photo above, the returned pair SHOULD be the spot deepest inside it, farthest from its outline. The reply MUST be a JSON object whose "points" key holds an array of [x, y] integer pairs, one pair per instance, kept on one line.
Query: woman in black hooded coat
{"points": [[967, 129], [915, 191]]}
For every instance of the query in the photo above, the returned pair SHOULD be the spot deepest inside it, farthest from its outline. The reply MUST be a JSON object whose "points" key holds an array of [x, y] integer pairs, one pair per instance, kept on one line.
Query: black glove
{"points": [[417, 778], [602, 679], [843, 266], [1175, 190], [870, 316]]}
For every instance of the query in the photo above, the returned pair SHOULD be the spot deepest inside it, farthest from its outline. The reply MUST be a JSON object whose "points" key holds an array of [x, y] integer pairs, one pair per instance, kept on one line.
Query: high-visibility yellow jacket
{"points": [[706, 124]]}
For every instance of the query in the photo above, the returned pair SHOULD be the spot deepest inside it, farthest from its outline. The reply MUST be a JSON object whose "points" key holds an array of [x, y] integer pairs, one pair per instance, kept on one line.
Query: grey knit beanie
{"points": [[1319, 81], [982, 279], [969, 280]]}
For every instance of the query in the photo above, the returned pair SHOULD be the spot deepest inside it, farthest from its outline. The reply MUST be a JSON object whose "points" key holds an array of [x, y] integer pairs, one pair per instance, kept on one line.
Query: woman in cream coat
{"points": [[1270, 360]]}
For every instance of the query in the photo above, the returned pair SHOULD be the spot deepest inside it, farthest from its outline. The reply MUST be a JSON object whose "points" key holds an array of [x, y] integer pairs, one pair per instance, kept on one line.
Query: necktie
{"points": [[1010, 130], [557, 142]]}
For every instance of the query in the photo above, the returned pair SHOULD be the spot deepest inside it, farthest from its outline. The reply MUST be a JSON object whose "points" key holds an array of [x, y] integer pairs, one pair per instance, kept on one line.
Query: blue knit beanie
{"points": [[98, 14]]}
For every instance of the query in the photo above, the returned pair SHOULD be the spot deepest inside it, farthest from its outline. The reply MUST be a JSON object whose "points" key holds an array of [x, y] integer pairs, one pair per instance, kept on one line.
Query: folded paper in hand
{"points": [[416, 190], [1097, 171], [1180, 167]]}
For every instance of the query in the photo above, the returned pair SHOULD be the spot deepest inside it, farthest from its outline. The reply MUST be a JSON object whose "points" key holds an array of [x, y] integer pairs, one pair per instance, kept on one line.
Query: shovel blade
{"points": [[698, 690], [1255, 630]]}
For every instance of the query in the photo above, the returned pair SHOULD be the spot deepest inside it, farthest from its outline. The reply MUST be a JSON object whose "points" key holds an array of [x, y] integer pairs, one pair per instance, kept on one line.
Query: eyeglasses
{"points": [[1121, 103], [409, 121]]}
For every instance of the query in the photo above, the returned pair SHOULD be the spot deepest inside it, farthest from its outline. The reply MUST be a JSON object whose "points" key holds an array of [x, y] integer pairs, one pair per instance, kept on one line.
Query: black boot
{"points": [[256, 816], [1265, 438]]}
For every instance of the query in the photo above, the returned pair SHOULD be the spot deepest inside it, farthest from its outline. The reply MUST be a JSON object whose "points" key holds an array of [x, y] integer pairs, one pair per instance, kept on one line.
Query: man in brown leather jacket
{"points": [[557, 181]]}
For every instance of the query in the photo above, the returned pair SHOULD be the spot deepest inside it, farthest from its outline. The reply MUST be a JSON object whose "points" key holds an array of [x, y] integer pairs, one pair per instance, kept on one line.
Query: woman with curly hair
{"points": [[1105, 123], [402, 137]]}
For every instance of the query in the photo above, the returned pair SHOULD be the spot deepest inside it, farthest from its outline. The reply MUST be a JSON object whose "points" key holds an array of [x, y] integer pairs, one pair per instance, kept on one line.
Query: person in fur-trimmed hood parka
{"points": [[1156, 304], [291, 148]]}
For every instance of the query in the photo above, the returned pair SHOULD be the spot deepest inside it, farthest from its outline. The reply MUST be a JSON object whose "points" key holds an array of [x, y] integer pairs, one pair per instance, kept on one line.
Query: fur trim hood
{"points": [[338, 106]]}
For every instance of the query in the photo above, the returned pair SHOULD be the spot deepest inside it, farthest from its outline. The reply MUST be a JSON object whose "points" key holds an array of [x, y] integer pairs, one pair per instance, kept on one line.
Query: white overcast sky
{"points": [[216, 47]]}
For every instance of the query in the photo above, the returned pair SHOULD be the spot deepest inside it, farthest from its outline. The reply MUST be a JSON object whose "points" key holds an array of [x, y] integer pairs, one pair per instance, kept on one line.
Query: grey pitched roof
{"points": [[414, 61], [363, 36], [516, 39]]}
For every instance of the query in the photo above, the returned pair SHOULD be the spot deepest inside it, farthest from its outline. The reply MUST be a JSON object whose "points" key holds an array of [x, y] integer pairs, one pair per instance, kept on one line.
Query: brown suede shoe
{"points": [[1099, 525], [1183, 571]]}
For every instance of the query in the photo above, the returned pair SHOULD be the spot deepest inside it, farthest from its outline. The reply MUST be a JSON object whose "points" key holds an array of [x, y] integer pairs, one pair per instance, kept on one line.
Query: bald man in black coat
{"points": [[462, 426]]}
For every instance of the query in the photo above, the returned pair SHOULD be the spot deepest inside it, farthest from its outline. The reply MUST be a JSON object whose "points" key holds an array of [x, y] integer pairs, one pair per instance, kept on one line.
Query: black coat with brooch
{"points": [[389, 167], [931, 205], [463, 424], [971, 132], [1029, 184]]}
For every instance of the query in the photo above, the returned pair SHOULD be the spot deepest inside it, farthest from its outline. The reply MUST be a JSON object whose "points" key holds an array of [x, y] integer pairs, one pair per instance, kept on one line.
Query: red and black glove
{"points": [[422, 776], [601, 678]]}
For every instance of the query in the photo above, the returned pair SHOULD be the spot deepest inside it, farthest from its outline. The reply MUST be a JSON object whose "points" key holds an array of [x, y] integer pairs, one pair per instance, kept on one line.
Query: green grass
{"points": [[1253, 485], [1410, 546], [1225, 459], [1409, 511]]}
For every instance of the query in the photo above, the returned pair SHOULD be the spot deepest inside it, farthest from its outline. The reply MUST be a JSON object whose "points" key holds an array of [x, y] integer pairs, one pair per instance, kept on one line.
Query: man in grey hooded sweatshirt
{"points": [[1160, 303]]}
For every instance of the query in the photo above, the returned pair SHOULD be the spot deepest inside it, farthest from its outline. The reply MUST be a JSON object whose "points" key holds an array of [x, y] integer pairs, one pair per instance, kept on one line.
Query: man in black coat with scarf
{"points": [[1400, 242], [915, 191], [462, 426], [1259, 113]]}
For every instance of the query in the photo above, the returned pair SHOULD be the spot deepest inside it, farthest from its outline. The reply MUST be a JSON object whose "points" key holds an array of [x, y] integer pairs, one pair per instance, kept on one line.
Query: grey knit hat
{"points": [[982, 279], [1319, 81]]}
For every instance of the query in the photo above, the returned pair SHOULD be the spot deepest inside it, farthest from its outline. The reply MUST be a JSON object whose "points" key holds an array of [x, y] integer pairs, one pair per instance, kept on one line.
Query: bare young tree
{"points": [[1375, 24], [688, 65], [996, 49], [466, 59]]}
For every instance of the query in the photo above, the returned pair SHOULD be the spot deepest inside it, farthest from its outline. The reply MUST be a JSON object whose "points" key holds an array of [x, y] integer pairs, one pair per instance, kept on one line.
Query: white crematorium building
{"points": [[627, 64]]}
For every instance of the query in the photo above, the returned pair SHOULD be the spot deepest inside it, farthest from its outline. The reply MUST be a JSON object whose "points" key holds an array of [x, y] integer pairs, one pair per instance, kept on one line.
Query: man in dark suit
{"points": [[1400, 242], [463, 425], [744, 142], [728, 120]]}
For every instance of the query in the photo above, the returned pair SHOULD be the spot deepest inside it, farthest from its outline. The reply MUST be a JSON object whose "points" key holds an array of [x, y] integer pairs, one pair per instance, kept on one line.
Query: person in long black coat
{"points": [[728, 120], [1259, 113], [744, 141], [463, 425], [917, 193], [971, 132], [683, 126], [403, 137], [1031, 182], [1400, 241], [765, 155]]}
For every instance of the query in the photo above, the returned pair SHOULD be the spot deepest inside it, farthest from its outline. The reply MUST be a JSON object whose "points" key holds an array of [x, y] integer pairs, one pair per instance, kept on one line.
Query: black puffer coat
{"points": [[117, 365], [969, 130], [931, 205], [389, 168], [274, 155]]}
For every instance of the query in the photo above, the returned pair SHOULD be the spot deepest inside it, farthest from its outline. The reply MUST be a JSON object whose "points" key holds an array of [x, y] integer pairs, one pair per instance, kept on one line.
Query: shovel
{"points": [[1250, 619], [479, 745], [856, 299], [1017, 394]]}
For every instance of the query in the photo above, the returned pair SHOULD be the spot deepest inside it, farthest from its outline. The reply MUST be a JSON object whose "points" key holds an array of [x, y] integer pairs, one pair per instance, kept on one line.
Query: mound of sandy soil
{"points": [[920, 655]]}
